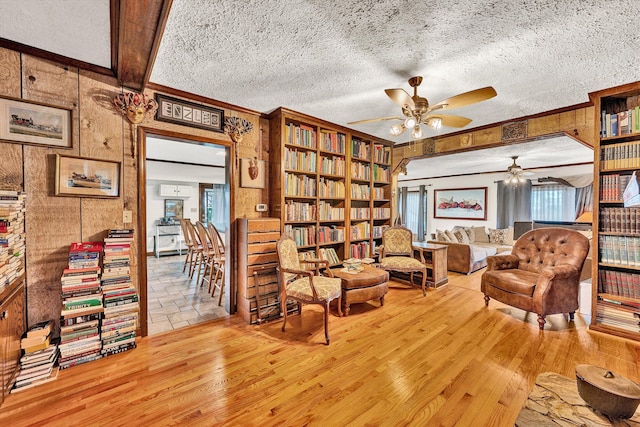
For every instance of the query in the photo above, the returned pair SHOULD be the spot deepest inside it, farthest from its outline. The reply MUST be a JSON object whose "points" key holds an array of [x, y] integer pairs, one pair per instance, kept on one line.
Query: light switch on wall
{"points": [[127, 216]]}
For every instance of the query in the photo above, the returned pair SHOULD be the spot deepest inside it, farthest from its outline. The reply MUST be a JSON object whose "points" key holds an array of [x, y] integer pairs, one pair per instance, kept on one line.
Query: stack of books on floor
{"points": [[81, 306], [12, 235], [38, 363], [120, 318]]}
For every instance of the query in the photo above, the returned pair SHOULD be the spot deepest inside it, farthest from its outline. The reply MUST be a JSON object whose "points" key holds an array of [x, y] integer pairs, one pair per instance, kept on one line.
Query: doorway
{"points": [[174, 170]]}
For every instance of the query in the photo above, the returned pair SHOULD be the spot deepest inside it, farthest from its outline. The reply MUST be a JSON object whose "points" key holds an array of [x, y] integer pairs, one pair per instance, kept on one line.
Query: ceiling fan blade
{"points": [[400, 97], [525, 173], [466, 98], [375, 120], [448, 120]]}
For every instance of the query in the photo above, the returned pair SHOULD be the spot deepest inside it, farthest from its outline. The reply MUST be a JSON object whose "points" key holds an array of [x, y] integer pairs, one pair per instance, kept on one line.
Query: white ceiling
{"points": [[333, 59]]}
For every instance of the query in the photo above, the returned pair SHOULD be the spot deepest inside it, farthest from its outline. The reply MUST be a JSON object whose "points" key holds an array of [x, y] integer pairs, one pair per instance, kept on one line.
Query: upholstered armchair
{"points": [[541, 275], [305, 286], [397, 254]]}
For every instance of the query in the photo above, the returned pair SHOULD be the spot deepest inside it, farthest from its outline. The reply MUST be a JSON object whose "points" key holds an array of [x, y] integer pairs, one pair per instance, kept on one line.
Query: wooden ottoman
{"points": [[370, 283]]}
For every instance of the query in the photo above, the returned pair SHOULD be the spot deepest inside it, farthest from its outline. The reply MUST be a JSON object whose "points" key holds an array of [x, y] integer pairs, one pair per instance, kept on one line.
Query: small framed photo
{"points": [[173, 208], [84, 177], [252, 174], [34, 123]]}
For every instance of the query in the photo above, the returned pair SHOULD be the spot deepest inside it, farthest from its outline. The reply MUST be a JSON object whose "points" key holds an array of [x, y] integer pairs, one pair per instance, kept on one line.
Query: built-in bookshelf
{"points": [[616, 275], [330, 186]]}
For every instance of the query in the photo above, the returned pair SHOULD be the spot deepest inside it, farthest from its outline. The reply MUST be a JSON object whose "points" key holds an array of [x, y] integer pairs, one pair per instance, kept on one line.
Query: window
{"points": [[553, 203], [414, 217], [215, 207]]}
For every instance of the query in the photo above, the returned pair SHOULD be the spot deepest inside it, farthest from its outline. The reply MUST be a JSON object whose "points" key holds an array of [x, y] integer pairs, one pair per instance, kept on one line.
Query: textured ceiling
{"points": [[333, 59]]}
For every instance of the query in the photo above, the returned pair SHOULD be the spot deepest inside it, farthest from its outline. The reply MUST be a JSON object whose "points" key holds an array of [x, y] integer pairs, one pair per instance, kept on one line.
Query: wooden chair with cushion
{"points": [[397, 254], [303, 285], [541, 275]]}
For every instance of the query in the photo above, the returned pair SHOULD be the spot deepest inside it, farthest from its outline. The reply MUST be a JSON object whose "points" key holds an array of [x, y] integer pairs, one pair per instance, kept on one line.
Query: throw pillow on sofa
{"points": [[451, 236], [480, 235], [499, 236], [461, 236], [441, 236]]}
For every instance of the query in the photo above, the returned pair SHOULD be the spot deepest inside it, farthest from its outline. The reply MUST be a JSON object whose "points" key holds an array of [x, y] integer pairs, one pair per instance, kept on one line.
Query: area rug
{"points": [[554, 401]]}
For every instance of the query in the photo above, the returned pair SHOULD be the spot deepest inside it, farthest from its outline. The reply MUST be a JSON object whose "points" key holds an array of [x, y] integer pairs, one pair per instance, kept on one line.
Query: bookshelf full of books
{"points": [[330, 186], [12, 236], [616, 275]]}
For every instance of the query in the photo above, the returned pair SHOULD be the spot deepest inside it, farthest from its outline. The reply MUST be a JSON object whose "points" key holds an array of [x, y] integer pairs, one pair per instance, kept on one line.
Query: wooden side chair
{"points": [[197, 250], [188, 242], [303, 285], [397, 254], [207, 256], [218, 262]]}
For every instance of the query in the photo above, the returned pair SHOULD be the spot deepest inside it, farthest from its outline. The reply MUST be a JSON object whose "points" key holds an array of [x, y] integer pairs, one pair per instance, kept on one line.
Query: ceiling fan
{"points": [[416, 109], [515, 173]]}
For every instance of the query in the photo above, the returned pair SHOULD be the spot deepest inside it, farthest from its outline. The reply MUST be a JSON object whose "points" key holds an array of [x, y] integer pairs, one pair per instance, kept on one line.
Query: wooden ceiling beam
{"points": [[139, 25]]}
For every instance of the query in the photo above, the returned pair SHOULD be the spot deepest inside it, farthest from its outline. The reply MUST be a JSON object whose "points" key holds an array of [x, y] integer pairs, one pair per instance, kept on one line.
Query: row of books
{"points": [[622, 250], [360, 250], [361, 230], [303, 185], [381, 213], [377, 230], [328, 254], [332, 141], [619, 283], [381, 173], [612, 187], [12, 235], [360, 191], [303, 236], [333, 165], [331, 188], [300, 160], [330, 234], [360, 149], [299, 211], [38, 363], [618, 156], [302, 135], [360, 213], [361, 171], [328, 212], [620, 220], [381, 154], [623, 122], [618, 316]]}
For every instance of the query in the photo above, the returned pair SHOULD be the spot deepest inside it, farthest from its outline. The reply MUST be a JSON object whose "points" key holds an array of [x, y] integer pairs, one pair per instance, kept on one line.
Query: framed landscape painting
{"points": [[84, 177], [33, 123], [461, 203]]}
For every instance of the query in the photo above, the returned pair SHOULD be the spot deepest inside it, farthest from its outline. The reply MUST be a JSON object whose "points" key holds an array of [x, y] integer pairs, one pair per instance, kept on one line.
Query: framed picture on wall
{"points": [[461, 203], [34, 123], [252, 173], [84, 177], [173, 208]]}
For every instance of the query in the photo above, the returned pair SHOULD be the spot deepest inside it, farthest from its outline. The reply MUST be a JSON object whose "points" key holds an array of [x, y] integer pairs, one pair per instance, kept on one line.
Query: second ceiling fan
{"points": [[416, 109]]}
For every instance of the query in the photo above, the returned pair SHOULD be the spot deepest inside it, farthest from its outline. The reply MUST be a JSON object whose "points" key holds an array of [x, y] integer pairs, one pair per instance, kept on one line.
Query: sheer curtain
{"points": [[553, 203], [514, 203], [413, 210], [216, 206]]}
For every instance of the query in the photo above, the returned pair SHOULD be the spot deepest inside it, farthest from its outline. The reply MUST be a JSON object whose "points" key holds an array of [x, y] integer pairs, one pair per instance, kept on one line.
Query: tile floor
{"points": [[174, 300]]}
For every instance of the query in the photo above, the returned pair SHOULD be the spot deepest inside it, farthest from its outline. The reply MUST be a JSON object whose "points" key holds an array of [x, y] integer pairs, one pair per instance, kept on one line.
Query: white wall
{"points": [[175, 174], [479, 180]]}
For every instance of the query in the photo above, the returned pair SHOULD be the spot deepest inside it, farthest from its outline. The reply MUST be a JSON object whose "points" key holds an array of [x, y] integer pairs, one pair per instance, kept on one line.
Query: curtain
{"points": [[414, 211], [216, 206], [402, 206], [553, 203], [584, 200], [422, 209], [514, 203]]}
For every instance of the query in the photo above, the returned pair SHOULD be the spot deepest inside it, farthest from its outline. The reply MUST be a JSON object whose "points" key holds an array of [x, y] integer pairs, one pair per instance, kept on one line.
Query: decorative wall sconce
{"points": [[236, 127], [135, 107]]}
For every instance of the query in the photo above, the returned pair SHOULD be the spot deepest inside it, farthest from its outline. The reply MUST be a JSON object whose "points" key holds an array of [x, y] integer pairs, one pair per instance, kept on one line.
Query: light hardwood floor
{"points": [[439, 360]]}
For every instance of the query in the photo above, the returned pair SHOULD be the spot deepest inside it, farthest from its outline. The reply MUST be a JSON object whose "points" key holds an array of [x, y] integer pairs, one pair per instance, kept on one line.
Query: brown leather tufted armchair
{"points": [[541, 275]]}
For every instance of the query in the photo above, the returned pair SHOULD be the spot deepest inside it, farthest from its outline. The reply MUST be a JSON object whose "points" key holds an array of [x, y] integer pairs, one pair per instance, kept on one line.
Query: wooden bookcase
{"points": [[12, 326], [616, 229], [329, 185]]}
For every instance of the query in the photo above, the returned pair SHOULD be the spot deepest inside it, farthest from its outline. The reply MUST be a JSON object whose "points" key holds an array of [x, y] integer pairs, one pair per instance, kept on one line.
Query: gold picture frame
{"points": [[29, 122], [85, 177]]}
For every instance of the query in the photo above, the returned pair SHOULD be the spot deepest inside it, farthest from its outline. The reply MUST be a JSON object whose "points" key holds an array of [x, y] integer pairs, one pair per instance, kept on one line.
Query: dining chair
{"points": [[219, 261], [188, 242], [208, 255], [197, 250]]}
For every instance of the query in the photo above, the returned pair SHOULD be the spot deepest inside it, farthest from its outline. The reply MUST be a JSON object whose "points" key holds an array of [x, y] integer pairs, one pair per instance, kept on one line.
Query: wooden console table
{"points": [[434, 257]]}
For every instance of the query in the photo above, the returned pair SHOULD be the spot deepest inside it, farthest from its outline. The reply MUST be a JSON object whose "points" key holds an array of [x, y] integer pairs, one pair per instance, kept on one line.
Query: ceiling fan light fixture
{"points": [[410, 122], [417, 132], [397, 129]]}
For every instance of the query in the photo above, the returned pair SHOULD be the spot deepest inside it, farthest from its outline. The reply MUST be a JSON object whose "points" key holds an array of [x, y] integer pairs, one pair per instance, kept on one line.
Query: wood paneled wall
{"points": [[99, 132]]}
